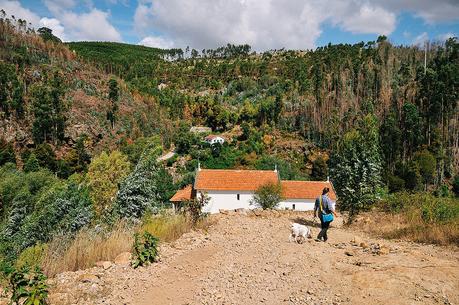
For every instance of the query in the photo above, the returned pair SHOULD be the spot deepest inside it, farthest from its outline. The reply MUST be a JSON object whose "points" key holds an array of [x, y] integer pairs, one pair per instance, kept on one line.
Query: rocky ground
{"points": [[248, 259]]}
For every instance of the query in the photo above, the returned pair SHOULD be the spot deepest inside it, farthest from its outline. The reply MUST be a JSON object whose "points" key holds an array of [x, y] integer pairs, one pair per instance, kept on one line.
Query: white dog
{"points": [[299, 230]]}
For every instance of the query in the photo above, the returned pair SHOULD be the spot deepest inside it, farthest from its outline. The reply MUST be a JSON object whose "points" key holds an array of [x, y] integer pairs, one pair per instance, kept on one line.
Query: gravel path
{"points": [[249, 260]]}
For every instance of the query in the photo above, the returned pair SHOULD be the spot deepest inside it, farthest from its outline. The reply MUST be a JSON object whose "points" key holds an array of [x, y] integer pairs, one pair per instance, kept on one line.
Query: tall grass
{"points": [[91, 245], [87, 248], [420, 217]]}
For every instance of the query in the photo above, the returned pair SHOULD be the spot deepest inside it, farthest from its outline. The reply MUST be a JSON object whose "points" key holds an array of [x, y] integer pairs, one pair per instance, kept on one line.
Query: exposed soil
{"points": [[249, 260]]}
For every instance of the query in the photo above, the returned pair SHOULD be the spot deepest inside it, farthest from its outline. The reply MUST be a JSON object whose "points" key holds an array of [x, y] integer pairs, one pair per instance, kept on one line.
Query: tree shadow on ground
{"points": [[307, 222]]}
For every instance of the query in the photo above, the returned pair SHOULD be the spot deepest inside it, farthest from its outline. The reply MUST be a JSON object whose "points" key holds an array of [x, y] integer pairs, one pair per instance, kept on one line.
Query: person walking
{"points": [[324, 208]]}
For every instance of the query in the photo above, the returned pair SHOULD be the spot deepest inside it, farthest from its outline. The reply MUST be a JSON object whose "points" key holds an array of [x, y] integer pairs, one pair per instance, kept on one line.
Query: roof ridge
{"points": [[315, 181]]}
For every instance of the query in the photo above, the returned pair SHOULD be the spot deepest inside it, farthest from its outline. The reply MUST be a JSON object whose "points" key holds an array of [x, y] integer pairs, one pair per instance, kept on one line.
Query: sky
{"points": [[263, 24]]}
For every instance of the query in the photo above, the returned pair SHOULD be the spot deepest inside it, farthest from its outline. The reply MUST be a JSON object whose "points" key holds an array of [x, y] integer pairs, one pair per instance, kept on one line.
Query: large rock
{"points": [[123, 259]]}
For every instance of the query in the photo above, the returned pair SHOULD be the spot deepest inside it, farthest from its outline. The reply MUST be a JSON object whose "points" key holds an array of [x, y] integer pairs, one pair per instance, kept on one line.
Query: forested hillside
{"points": [[82, 125]]}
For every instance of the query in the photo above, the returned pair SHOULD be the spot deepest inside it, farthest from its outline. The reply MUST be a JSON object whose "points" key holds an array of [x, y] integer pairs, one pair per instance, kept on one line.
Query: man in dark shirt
{"points": [[327, 206]]}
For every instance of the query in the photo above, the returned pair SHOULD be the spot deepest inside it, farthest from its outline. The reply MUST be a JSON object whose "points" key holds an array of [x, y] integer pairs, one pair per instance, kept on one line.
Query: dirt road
{"points": [[249, 260]]}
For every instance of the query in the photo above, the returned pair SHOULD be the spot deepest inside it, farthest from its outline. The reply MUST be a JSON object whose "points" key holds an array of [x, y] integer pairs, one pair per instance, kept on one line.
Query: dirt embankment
{"points": [[249, 260]]}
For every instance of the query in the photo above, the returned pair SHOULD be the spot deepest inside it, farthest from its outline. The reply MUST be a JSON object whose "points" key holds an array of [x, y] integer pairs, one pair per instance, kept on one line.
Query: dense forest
{"points": [[82, 125]]}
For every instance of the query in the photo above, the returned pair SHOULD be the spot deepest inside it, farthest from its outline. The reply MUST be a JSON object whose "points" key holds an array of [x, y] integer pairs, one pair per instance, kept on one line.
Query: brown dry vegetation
{"points": [[89, 246], [407, 226]]}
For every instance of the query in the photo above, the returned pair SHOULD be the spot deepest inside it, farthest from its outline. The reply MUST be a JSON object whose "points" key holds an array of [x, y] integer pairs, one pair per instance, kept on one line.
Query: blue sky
{"points": [[264, 24]]}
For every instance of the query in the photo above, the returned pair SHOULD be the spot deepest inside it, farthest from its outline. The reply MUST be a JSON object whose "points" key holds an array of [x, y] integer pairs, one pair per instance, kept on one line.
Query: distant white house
{"points": [[214, 139], [234, 189]]}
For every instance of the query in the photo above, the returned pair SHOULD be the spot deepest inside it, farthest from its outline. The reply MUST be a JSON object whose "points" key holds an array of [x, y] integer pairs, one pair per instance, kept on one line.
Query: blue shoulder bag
{"points": [[326, 217]]}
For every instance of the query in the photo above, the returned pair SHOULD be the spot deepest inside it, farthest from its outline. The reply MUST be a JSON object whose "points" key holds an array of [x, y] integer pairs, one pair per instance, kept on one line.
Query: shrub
{"points": [[31, 164], [32, 256], [6, 152], [167, 228], [456, 185], [135, 150], [28, 287], [319, 169], [139, 191], [194, 207], [144, 250], [104, 174], [395, 183], [267, 196], [427, 164]]}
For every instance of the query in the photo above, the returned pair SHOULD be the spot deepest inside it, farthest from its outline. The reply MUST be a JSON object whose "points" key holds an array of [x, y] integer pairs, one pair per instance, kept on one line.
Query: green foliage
{"points": [[267, 196], [319, 169], [433, 210], [46, 156], [185, 140], [145, 249], [287, 170], [28, 287], [357, 167], [427, 165], [135, 150], [11, 93], [31, 256], [48, 110], [139, 192], [105, 173], [395, 183], [38, 205], [6, 152], [194, 206], [456, 185], [47, 35], [113, 96]]}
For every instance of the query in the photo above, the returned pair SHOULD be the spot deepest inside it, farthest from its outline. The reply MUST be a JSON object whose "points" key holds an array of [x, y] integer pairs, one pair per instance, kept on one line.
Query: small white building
{"points": [[234, 189], [213, 139], [231, 189]]}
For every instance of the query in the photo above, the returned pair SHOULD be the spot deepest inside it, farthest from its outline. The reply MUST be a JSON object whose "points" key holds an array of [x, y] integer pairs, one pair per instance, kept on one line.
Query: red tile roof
{"points": [[183, 194], [306, 189], [233, 180]]}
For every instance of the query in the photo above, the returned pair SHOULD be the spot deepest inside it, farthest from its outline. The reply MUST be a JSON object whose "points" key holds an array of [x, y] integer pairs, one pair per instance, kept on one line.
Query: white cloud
{"points": [[369, 19], [420, 39], [278, 23], [445, 36], [55, 25], [66, 24], [157, 42], [262, 24], [93, 25], [15, 8], [430, 11], [57, 6]]}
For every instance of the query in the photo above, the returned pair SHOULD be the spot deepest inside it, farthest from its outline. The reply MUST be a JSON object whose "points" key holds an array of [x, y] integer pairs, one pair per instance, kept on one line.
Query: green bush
{"points": [[31, 256], [456, 185], [6, 152], [145, 249], [28, 287], [267, 196], [395, 183], [432, 209]]}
